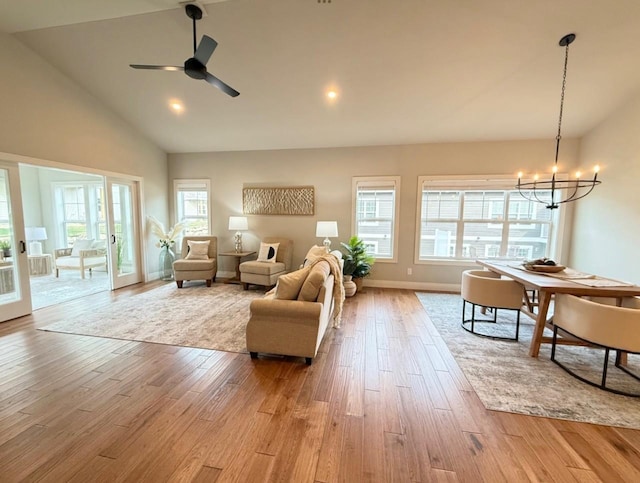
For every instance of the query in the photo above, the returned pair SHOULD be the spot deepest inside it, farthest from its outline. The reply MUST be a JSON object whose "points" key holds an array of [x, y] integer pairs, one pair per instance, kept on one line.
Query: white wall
{"points": [[606, 229], [45, 115], [330, 171]]}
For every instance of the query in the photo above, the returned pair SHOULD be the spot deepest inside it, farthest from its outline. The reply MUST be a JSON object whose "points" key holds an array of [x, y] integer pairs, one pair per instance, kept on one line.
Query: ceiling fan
{"points": [[196, 66]]}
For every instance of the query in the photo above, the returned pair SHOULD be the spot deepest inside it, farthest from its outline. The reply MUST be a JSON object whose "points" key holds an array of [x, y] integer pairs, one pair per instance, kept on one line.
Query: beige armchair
{"points": [[265, 273], [188, 269], [604, 327], [488, 289]]}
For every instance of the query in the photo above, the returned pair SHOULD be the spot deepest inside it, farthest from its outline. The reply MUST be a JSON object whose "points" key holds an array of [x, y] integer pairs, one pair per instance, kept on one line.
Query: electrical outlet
{"points": [[409, 271]]}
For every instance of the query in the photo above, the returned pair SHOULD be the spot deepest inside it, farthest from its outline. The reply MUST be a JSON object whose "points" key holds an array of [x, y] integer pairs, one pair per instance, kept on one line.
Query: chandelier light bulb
{"points": [[535, 177], [519, 174], [596, 169], [578, 173], [554, 170]]}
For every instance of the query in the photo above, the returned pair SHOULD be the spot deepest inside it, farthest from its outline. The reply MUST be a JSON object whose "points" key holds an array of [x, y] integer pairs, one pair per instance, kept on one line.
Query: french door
{"points": [[15, 293], [123, 231]]}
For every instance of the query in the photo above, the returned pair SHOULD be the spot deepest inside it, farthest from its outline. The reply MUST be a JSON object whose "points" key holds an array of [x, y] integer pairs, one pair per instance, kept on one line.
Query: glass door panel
{"points": [[123, 232], [15, 294]]}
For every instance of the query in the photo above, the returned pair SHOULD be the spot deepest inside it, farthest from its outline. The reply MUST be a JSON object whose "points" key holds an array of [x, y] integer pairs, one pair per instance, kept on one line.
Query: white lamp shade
{"points": [[36, 233], [327, 229], [238, 223]]}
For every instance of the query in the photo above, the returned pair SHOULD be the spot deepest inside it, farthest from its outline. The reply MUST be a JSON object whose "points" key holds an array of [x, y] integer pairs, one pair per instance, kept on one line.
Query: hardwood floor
{"points": [[383, 401]]}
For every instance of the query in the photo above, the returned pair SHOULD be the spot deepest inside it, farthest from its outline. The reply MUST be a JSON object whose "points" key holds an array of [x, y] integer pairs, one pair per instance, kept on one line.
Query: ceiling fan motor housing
{"points": [[195, 69]]}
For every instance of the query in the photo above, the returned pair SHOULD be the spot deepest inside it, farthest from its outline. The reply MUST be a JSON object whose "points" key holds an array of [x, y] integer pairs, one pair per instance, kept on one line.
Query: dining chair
{"points": [[604, 327], [488, 289]]}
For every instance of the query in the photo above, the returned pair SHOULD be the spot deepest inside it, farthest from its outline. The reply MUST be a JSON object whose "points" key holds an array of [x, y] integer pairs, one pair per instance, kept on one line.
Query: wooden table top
{"points": [[540, 281]]}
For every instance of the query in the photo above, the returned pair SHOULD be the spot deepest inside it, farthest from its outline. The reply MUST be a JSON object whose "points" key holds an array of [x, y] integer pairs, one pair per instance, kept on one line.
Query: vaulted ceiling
{"points": [[405, 71]]}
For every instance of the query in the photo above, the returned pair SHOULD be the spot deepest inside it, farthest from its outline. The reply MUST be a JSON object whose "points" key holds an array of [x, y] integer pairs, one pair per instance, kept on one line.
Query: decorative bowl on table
{"points": [[543, 265], [545, 268]]}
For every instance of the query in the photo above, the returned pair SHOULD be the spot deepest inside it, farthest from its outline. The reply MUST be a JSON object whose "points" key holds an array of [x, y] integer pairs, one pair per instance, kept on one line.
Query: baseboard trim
{"points": [[427, 286]]}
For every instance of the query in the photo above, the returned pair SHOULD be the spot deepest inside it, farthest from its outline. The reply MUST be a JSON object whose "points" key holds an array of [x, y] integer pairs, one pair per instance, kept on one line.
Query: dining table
{"points": [[546, 285]]}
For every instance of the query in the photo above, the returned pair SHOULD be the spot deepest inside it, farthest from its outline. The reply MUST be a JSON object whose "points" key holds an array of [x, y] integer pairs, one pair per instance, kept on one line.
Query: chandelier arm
{"points": [[576, 186], [582, 195]]}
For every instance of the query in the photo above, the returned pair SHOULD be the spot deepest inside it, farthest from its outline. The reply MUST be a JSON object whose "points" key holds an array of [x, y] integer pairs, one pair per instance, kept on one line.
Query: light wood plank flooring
{"points": [[383, 401]]}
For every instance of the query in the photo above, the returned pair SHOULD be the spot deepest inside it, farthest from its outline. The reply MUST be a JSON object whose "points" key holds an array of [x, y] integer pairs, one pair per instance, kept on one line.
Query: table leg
{"points": [[235, 279], [541, 320]]}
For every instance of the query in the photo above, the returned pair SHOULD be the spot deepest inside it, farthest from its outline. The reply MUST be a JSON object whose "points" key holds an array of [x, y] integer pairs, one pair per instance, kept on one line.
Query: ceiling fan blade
{"points": [[214, 81], [156, 67], [205, 49]]}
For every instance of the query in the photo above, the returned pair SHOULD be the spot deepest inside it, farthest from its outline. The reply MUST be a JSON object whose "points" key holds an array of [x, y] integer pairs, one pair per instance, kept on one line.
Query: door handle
{"points": [[113, 239], [23, 246]]}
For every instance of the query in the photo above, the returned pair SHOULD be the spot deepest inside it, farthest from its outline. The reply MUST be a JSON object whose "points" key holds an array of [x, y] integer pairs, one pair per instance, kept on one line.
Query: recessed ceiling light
{"points": [[332, 94], [176, 106]]}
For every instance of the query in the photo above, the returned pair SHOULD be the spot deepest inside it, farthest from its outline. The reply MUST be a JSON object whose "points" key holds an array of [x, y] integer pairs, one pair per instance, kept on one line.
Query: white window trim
{"points": [[557, 228], [60, 235], [192, 185], [374, 181]]}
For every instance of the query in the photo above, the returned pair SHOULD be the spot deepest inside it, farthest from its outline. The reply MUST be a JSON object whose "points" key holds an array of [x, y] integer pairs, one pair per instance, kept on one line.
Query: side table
{"points": [[238, 256], [39, 264]]}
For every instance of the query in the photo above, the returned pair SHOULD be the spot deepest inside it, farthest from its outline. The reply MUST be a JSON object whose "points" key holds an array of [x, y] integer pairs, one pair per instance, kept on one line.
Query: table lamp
{"points": [[35, 234], [327, 229], [238, 223]]}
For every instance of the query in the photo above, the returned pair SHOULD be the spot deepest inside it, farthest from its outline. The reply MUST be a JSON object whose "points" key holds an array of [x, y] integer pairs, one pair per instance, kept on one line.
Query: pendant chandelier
{"points": [[560, 190]]}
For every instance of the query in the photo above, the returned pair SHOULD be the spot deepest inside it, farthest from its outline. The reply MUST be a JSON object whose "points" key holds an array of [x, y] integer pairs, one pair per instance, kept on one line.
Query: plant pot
{"points": [[349, 286], [358, 281], [7, 252]]}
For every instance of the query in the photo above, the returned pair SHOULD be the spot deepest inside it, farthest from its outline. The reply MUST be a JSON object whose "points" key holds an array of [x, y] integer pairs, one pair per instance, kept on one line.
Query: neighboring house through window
{"points": [[375, 209], [464, 218]]}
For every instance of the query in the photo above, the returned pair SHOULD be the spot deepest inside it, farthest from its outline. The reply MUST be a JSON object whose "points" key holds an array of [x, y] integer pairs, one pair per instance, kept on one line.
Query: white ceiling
{"points": [[407, 71]]}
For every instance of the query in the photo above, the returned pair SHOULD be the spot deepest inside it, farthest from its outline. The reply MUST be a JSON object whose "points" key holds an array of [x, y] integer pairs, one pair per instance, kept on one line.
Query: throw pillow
{"points": [[314, 252], [268, 252], [198, 250], [80, 245], [312, 285], [288, 286]]}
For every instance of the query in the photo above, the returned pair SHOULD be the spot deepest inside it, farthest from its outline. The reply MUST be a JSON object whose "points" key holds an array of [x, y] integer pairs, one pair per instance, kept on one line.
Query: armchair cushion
{"points": [[198, 250], [261, 268], [80, 245], [268, 252]]}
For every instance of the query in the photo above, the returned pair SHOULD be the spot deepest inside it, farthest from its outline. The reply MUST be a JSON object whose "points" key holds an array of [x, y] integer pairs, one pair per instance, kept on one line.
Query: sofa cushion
{"points": [[262, 268], [198, 250], [316, 278], [268, 252], [314, 252], [289, 285], [81, 245]]}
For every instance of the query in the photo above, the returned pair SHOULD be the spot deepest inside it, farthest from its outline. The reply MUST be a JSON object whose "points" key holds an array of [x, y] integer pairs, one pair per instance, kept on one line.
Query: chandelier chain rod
{"points": [[564, 86]]}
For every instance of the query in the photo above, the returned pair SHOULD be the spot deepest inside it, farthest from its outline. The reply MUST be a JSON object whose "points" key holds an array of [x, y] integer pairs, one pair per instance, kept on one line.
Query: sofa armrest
{"points": [[62, 252], [293, 310]]}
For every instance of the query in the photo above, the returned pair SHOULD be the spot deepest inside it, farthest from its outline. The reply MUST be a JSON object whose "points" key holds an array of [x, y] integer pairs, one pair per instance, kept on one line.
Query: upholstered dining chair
{"points": [[488, 289], [602, 326], [197, 266]]}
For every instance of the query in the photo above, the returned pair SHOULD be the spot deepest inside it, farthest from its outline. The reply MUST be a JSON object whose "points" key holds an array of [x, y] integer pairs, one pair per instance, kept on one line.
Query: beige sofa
{"points": [[85, 255], [292, 327]]}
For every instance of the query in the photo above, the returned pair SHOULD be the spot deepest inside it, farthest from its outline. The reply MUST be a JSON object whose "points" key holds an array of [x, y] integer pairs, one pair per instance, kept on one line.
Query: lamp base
{"points": [[327, 244], [35, 248], [237, 238]]}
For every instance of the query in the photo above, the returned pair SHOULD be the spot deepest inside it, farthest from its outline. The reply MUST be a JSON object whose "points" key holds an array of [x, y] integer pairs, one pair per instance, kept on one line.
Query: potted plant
{"points": [[5, 246], [357, 262]]}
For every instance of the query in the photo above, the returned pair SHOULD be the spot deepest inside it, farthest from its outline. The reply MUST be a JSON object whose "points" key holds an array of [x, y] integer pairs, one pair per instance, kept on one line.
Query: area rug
{"points": [[195, 316], [507, 379], [49, 290]]}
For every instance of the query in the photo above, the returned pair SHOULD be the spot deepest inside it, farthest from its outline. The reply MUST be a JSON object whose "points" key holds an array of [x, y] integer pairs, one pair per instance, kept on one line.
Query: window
{"points": [[467, 219], [192, 205], [79, 212], [375, 211]]}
